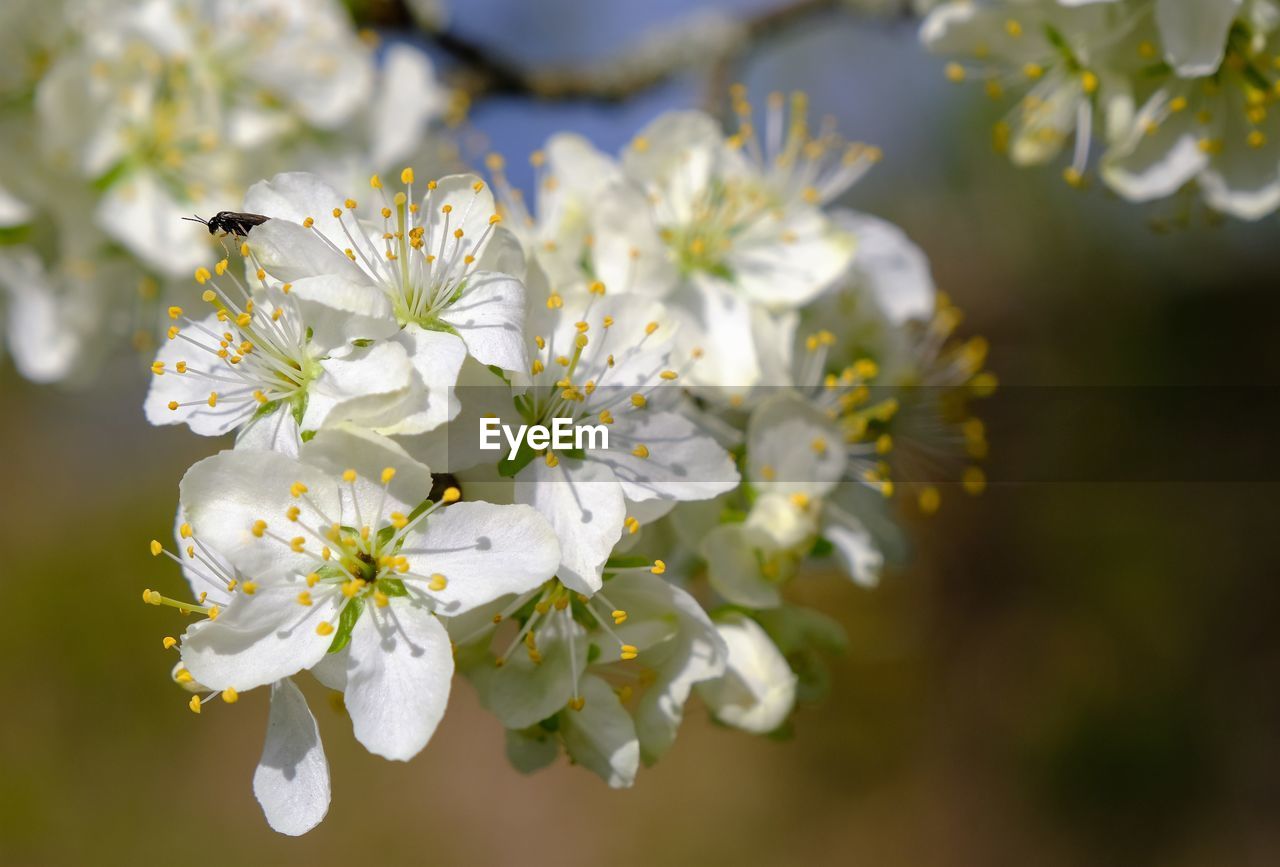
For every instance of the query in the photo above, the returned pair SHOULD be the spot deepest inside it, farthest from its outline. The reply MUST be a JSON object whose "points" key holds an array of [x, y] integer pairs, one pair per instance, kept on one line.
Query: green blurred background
{"points": [[1075, 669]]}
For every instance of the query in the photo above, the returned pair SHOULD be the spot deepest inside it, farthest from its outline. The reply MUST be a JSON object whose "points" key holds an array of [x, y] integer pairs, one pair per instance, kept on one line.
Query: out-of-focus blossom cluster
{"points": [[119, 118], [768, 375], [1181, 93]]}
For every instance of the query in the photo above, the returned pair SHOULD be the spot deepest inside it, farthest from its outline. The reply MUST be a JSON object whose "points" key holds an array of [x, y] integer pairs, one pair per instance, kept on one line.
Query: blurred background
{"points": [[1078, 667]]}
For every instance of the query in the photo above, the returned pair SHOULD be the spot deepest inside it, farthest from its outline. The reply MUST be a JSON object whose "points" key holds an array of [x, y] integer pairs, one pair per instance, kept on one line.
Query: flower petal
{"points": [[336, 450], [601, 736], [261, 638], [1194, 33], [489, 317], [758, 689], [584, 504], [224, 495], [683, 462], [292, 779], [521, 693], [483, 551], [398, 668]]}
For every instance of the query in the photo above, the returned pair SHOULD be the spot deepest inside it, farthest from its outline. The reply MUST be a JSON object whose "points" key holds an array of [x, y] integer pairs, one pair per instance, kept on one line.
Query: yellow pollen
{"points": [[628, 651], [297, 543], [658, 567], [1089, 82], [169, 642], [308, 222], [955, 72], [249, 588], [406, 176], [439, 582], [641, 451], [638, 400], [650, 328], [337, 213], [259, 527], [304, 598], [375, 182], [619, 616], [451, 495], [324, 628], [632, 524], [388, 474], [203, 275], [297, 489], [1033, 70], [800, 500], [313, 579], [194, 704], [230, 696]]}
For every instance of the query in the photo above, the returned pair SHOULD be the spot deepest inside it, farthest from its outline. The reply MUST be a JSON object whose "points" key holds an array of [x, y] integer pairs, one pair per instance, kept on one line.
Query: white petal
{"points": [[892, 268], [437, 356], [339, 311], [234, 406], [469, 210], [483, 551], [1194, 33], [224, 495], [715, 319], [601, 736], [1144, 165], [785, 260], [489, 317], [146, 218], [584, 504], [758, 689], [407, 99], [695, 653], [290, 198], [531, 749], [855, 549], [336, 450], [261, 638], [372, 386], [793, 448], [277, 431], [521, 693], [684, 463], [733, 569], [398, 668], [290, 253], [292, 779]]}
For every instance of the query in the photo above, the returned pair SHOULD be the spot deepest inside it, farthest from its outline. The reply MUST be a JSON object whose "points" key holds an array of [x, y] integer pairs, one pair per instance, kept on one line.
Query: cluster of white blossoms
{"points": [[1182, 93], [120, 117], [769, 371]]}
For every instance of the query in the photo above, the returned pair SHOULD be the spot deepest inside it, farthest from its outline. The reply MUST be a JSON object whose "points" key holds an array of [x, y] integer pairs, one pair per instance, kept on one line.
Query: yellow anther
{"points": [[375, 182], [451, 495], [297, 489], [324, 628], [157, 367], [183, 676], [580, 341], [974, 481], [930, 499], [578, 703], [1013, 28], [638, 400], [552, 460], [399, 520], [955, 72], [209, 296], [313, 579], [169, 642], [628, 651], [1177, 104], [1033, 70], [230, 696], [304, 598], [349, 204], [259, 527], [669, 375], [381, 599], [554, 301], [641, 451], [632, 524], [203, 275], [175, 312], [297, 544], [884, 444], [388, 474], [608, 322], [1256, 139], [337, 212], [650, 328], [308, 222], [249, 587], [619, 616], [658, 567], [406, 176], [1089, 82], [606, 417], [1072, 176], [800, 500], [439, 582], [194, 704], [156, 548], [819, 446]]}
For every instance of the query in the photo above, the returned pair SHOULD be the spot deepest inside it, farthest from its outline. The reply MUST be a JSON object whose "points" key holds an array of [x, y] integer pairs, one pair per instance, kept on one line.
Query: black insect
{"points": [[230, 222]]}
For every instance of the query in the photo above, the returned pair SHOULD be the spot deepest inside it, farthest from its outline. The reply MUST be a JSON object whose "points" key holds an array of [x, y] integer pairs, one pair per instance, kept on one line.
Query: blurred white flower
{"points": [[758, 689]]}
